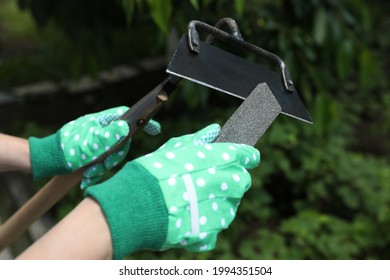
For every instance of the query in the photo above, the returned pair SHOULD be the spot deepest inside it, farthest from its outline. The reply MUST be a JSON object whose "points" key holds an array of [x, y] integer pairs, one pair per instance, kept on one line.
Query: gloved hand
{"points": [[181, 195], [81, 141]]}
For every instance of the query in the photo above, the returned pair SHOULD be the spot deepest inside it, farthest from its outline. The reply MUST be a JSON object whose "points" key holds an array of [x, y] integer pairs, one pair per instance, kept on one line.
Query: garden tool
{"points": [[265, 94]]}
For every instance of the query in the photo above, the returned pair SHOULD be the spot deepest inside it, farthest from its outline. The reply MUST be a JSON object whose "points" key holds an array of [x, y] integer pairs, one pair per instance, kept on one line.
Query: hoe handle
{"points": [[36, 206]]}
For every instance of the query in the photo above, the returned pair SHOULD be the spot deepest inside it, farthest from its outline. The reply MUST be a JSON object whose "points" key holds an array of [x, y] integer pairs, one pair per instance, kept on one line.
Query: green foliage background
{"points": [[321, 191]]}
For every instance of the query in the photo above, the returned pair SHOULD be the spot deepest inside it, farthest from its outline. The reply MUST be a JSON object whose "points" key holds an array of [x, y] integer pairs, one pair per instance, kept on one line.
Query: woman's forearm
{"points": [[82, 234], [14, 154]]}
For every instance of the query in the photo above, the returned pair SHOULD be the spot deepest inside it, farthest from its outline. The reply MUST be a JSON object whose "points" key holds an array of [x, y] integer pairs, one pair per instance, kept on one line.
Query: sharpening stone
{"points": [[252, 118]]}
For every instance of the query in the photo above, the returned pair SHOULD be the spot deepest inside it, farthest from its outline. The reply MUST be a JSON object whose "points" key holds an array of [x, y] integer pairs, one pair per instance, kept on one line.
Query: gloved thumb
{"points": [[202, 137], [207, 134]]}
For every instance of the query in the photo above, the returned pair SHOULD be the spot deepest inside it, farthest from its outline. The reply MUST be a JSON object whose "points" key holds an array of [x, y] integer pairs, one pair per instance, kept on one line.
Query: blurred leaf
{"points": [[320, 26], [239, 6], [207, 2], [195, 4], [368, 69], [161, 11], [129, 7], [344, 59]]}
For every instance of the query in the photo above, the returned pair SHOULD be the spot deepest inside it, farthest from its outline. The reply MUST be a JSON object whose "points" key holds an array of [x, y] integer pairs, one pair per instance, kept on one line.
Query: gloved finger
{"points": [[87, 182], [207, 134], [236, 177], [222, 182], [92, 175], [113, 133], [204, 241], [203, 136], [82, 146], [108, 116], [118, 156], [152, 128], [247, 156]]}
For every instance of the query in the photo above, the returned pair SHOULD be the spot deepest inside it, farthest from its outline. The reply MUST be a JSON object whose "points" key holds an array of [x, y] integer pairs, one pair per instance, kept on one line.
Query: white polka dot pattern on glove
{"points": [[202, 184], [89, 137]]}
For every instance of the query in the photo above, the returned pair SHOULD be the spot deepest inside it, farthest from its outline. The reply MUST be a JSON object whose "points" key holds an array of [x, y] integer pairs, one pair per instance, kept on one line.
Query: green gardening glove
{"points": [[182, 195], [80, 142]]}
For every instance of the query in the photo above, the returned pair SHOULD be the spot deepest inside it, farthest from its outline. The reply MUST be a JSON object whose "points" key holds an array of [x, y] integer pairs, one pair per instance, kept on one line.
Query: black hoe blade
{"points": [[228, 73]]}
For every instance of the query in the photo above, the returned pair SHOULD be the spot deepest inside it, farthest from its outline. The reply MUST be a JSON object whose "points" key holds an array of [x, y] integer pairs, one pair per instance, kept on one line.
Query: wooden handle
{"points": [[41, 202]]}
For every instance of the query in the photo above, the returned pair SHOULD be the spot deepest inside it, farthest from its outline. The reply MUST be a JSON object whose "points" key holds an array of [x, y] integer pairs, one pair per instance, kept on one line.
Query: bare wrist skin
{"points": [[14, 154], [82, 235]]}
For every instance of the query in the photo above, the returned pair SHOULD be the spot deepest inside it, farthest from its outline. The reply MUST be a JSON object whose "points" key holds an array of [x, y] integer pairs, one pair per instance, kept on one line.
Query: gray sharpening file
{"points": [[252, 117]]}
